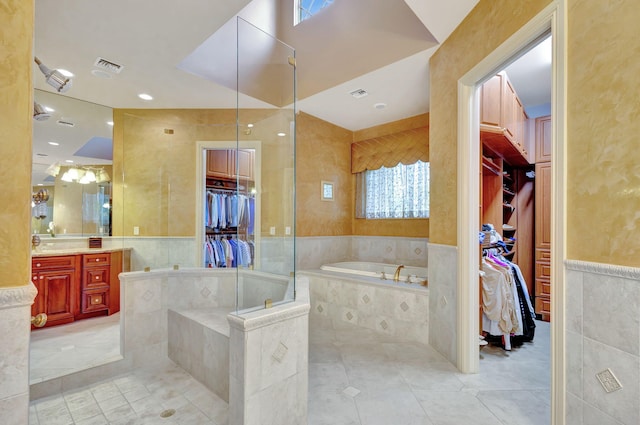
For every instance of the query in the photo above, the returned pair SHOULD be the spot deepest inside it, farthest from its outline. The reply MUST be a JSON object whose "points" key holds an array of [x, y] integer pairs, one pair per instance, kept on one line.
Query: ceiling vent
{"points": [[66, 123], [107, 65], [358, 93]]}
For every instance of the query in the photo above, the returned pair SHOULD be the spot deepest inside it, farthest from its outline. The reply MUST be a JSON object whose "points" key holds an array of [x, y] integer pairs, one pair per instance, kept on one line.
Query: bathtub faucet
{"points": [[396, 275]]}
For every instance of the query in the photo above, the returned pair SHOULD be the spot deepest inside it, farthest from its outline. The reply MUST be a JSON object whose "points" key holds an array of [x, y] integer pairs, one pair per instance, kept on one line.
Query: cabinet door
{"points": [[543, 139], [219, 163], [39, 303], [510, 111], [59, 292], [543, 205], [245, 161], [491, 102]]}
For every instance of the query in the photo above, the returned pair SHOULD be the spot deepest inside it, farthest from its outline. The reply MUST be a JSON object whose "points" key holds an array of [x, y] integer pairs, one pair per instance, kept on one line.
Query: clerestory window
{"points": [[304, 9]]}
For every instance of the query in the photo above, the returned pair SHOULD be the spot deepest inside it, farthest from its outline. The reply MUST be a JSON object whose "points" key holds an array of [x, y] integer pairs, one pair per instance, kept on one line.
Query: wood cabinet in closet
{"points": [[543, 218]]}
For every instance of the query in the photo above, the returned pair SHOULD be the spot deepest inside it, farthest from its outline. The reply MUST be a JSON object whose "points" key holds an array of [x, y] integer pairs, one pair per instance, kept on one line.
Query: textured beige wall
{"points": [[603, 99], [323, 152], [489, 24], [159, 169], [16, 108]]}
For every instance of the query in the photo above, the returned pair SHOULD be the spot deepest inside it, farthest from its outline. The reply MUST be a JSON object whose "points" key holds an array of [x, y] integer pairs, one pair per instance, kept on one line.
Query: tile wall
{"points": [[443, 294], [388, 309], [603, 331], [15, 310]]}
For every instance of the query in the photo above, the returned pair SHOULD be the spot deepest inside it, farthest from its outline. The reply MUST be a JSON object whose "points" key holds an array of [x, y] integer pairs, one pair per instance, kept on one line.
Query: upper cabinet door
{"points": [[491, 104], [245, 162], [219, 163], [543, 139]]}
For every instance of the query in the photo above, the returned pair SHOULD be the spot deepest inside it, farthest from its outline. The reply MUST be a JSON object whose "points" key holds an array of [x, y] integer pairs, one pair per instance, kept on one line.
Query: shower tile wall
{"points": [[603, 331]]}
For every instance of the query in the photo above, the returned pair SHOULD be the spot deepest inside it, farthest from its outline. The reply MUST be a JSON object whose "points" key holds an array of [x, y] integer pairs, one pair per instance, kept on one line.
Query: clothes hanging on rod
{"points": [[227, 252], [225, 208], [507, 308]]}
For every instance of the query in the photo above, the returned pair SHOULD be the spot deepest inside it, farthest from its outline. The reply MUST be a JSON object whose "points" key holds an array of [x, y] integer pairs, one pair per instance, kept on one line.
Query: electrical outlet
{"points": [[608, 381], [136, 230], [272, 230], [287, 230]]}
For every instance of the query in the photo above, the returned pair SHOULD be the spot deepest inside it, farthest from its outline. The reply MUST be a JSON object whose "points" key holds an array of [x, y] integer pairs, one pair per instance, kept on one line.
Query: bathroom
{"points": [[590, 348]]}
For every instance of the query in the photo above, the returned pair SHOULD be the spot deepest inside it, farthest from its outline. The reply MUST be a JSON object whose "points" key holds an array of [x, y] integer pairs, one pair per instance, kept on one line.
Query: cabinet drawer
{"points": [[96, 277], [543, 255], [95, 300], [47, 263], [543, 270], [543, 287], [543, 306], [90, 260]]}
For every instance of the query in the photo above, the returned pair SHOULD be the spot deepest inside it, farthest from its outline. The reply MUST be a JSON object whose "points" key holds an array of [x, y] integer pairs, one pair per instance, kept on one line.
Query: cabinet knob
{"points": [[41, 277], [37, 264], [97, 277], [97, 259]]}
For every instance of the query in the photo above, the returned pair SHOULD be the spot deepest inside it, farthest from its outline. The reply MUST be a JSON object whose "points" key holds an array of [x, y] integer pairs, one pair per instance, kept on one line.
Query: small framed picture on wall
{"points": [[326, 191]]}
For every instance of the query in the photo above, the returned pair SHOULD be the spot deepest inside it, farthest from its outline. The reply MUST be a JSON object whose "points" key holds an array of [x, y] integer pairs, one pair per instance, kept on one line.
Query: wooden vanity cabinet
{"points": [[56, 279], [96, 277], [74, 287]]}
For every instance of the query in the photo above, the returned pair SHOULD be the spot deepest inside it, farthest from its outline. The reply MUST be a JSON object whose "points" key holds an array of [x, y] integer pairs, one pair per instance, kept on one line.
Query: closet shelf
{"points": [[491, 166]]}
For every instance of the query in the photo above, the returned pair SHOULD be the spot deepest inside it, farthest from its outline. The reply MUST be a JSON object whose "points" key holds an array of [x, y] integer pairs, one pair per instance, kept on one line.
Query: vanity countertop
{"points": [[73, 251]]}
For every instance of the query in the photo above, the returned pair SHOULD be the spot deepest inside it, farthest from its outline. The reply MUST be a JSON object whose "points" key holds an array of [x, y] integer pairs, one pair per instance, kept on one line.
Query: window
{"points": [[398, 192], [304, 9]]}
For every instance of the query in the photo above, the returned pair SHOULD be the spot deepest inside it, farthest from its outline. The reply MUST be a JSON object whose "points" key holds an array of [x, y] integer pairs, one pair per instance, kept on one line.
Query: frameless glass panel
{"points": [[266, 137]]}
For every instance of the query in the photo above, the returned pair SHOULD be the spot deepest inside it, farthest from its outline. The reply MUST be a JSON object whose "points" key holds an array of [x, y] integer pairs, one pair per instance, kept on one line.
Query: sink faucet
{"points": [[396, 275]]}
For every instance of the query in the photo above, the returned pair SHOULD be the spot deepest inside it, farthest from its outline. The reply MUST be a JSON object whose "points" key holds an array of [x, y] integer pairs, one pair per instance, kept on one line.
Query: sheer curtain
{"points": [[398, 192]]}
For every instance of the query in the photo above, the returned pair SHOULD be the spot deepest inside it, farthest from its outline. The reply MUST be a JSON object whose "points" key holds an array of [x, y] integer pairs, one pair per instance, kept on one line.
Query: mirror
{"points": [[72, 157], [76, 135]]}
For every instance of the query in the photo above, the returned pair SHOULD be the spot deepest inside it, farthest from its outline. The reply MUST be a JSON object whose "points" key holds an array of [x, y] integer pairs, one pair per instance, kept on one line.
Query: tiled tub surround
{"points": [[149, 299], [603, 331], [389, 308]]}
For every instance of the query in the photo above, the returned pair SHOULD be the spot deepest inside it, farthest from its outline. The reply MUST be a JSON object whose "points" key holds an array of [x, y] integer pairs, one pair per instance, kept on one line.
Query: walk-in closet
{"points": [[515, 210]]}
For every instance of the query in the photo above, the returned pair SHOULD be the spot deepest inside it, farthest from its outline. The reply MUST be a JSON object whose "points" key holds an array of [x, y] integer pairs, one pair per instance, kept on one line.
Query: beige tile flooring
{"points": [[355, 377]]}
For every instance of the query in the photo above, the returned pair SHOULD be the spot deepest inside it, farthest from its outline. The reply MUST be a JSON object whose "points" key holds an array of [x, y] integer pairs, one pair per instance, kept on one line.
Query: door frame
{"points": [[552, 18]]}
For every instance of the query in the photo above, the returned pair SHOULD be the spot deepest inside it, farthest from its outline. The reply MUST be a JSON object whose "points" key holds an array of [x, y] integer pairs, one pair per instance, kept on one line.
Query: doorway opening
{"points": [[549, 21]]}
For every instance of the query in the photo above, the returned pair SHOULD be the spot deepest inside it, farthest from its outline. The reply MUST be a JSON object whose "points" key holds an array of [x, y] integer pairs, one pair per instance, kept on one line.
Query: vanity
{"points": [[75, 284]]}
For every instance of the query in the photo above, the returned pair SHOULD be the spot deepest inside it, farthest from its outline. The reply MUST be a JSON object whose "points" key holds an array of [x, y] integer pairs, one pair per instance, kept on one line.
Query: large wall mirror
{"points": [[71, 174], [72, 192]]}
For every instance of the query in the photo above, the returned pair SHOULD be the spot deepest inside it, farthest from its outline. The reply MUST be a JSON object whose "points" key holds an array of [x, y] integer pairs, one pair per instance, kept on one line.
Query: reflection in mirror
{"points": [[78, 288], [72, 156]]}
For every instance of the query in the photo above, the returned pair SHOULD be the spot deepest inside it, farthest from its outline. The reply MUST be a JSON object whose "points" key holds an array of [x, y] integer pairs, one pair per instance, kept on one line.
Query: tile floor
{"points": [[356, 377], [61, 350]]}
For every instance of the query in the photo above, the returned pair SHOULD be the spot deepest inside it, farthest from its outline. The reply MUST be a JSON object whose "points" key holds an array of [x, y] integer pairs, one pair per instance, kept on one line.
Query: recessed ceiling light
{"points": [[109, 122], [70, 161], [380, 105], [65, 72], [250, 125], [54, 143], [145, 96], [281, 134]]}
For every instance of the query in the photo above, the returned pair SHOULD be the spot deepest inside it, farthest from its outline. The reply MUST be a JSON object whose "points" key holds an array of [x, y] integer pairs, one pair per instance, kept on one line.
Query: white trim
{"points": [[554, 17], [201, 177], [613, 270]]}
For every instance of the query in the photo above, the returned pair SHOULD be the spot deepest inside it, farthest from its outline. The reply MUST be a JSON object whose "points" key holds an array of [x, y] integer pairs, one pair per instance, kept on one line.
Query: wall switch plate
{"points": [[287, 230], [136, 230], [272, 230], [608, 381]]}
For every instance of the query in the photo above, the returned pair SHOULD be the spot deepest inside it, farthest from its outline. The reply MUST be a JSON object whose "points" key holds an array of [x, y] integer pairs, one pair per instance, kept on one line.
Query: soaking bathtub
{"points": [[383, 271]]}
